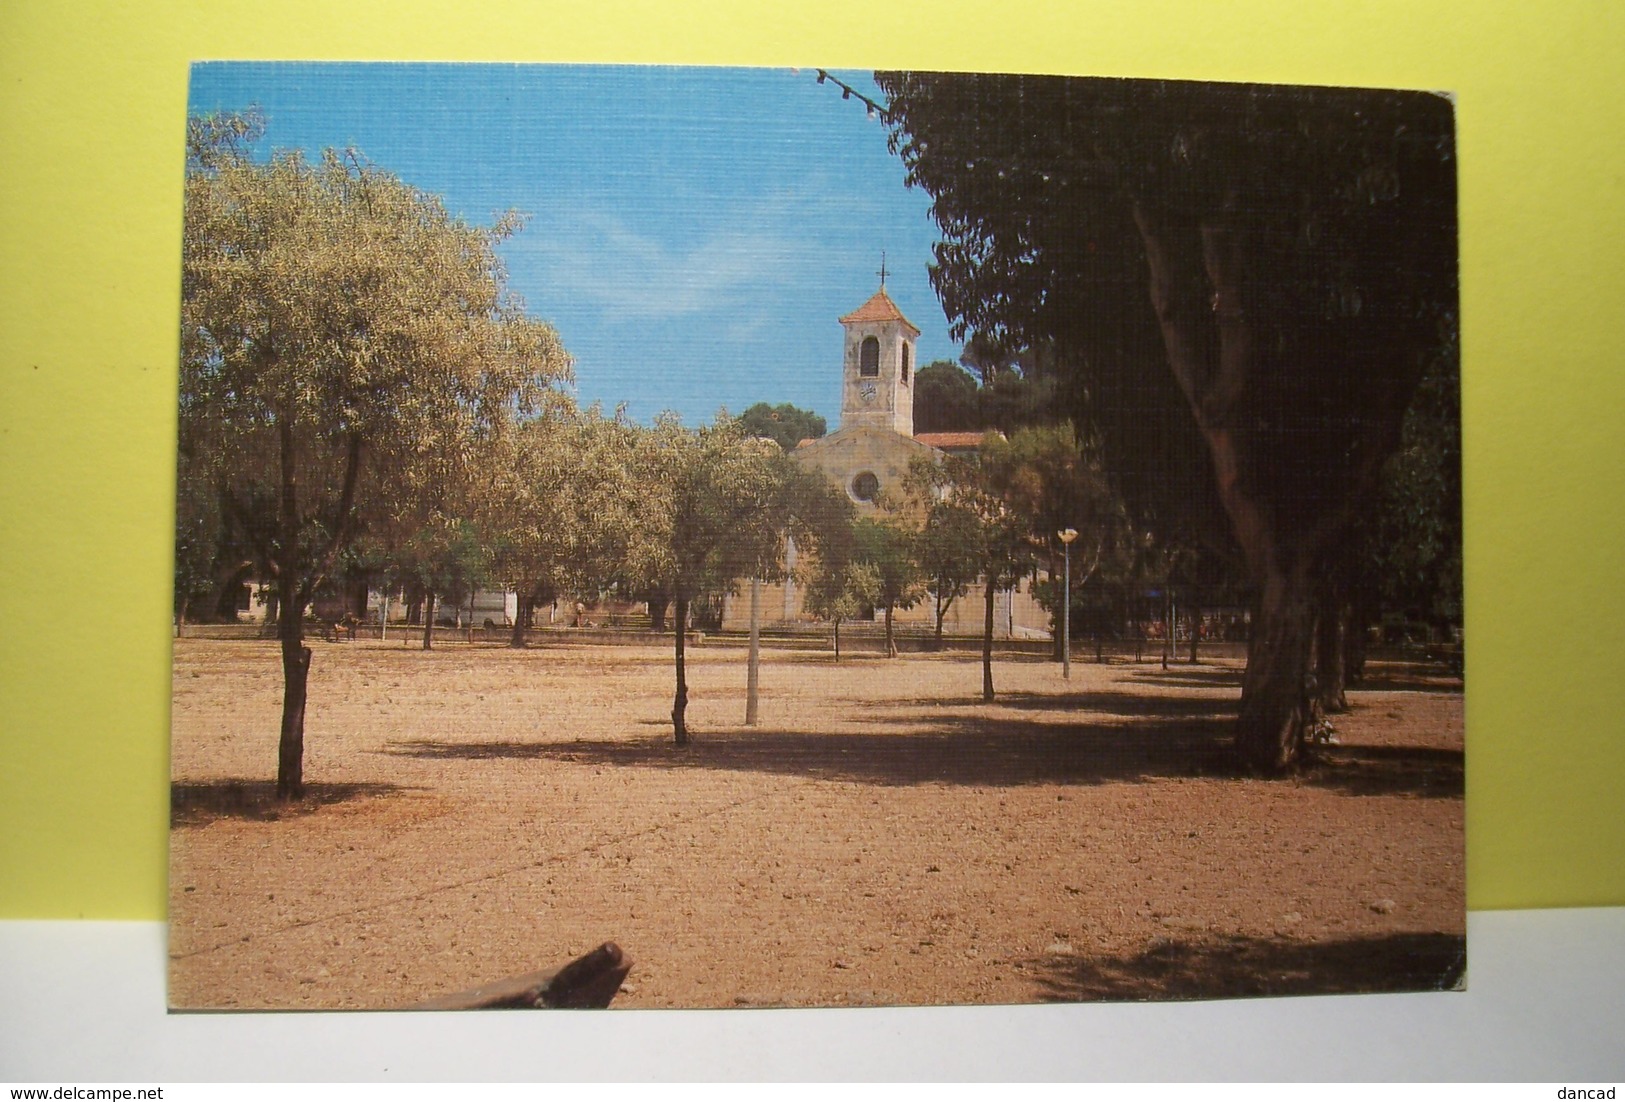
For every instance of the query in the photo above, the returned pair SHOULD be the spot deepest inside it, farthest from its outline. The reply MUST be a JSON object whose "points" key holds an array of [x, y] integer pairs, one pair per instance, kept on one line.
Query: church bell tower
{"points": [[877, 383]]}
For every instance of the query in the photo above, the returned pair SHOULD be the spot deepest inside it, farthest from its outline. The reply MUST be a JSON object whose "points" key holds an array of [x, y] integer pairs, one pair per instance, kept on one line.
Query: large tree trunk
{"points": [[522, 619], [679, 704], [1331, 650], [1276, 707], [987, 643], [657, 613], [290, 772], [942, 610], [273, 615], [1356, 638], [223, 601], [891, 641], [428, 619], [1197, 291]]}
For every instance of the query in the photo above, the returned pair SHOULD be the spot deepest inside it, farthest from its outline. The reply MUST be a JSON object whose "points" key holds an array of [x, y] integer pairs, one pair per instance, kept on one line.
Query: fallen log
{"points": [[587, 983]]}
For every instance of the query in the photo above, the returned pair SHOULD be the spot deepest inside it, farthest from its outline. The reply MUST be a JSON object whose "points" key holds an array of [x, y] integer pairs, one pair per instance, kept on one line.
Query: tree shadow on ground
{"points": [[1396, 677], [991, 748], [1113, 702], [603, 654], [1237, 967], [958, 750], [1192, 677], [198, 804], [1389, 771]]}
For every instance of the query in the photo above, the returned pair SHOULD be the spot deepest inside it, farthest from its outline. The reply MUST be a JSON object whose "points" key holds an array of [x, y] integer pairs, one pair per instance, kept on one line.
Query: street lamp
{"points": [[1067, 536]]}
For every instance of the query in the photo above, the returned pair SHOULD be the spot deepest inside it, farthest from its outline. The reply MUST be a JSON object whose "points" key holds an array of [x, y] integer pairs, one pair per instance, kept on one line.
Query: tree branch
{"points": [[344, 516], [1222, 257], [288, 511], [1173, 316], [246, 520]]}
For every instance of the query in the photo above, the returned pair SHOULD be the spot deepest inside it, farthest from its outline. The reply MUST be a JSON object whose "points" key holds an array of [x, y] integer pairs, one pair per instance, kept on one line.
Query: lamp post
{"points": [[1067, 536]]}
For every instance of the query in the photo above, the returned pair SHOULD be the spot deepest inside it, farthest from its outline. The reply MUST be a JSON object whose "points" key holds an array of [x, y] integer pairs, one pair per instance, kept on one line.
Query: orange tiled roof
{"points": [[951, 439], [880, 307]]}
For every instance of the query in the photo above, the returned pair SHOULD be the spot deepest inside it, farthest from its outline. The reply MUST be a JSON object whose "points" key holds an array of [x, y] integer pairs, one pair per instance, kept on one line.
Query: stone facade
{"points": [[849, 454]]}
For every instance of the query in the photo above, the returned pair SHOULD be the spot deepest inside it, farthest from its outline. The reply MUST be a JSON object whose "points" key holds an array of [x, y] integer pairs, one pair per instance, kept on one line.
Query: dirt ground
{"points": [[881, 837]]}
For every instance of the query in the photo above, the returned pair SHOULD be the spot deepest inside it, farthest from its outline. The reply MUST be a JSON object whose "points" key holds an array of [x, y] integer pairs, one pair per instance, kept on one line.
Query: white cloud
{"points": [[684, 260], [668, 264]]}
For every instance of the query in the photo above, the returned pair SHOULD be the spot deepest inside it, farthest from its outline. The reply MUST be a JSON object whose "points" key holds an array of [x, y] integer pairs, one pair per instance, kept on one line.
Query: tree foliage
{"points": [[563, 501], [1242, 286], [983, 497], [718, 507], [784, 424], [342, 336], [838, 586], [1056, 480], [948, 399], [889, 549], [1410, 559], [950, 552], [446, 560]]}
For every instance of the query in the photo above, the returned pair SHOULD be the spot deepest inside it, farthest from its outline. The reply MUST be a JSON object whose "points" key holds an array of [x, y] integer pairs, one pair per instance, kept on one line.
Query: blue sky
{"points": [[694, 233]]}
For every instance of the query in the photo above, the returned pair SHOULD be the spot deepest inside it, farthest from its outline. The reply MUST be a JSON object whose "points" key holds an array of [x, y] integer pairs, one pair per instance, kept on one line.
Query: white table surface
{"points": [[84, 1002]]}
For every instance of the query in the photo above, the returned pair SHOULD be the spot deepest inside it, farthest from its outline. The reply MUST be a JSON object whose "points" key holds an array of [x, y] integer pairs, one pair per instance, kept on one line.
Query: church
{"points": [[868, 455]]}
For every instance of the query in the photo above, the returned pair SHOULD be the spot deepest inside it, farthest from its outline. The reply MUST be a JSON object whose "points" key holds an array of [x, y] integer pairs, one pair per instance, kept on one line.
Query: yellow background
{"points": [[92, 103]]}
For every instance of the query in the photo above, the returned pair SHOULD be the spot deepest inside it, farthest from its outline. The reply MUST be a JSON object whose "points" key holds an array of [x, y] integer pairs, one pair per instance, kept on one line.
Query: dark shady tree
{"points": [[786, 425], [1242, 286]]}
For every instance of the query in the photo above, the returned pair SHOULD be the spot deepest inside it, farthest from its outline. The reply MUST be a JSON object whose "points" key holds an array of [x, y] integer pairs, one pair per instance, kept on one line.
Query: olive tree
{"points": [[343, 336], [718, 507]]}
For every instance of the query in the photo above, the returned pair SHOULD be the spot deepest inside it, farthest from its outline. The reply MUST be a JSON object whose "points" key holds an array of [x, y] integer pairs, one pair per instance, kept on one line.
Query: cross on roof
{"points": [[882, 272]]}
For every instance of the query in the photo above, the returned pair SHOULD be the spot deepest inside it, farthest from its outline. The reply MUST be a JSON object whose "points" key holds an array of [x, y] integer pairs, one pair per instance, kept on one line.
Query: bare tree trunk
{"points": [[428, 619], [290, 770], [987, 644], [679, 704], [941, 611], [891, 641], [522, 619], [290, 773], [1196, 621], [837, 638], [1167, 625]]}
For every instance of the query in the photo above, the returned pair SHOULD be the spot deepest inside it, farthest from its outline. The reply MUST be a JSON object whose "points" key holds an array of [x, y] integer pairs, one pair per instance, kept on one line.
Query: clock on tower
{"points": [[877, 379]]}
